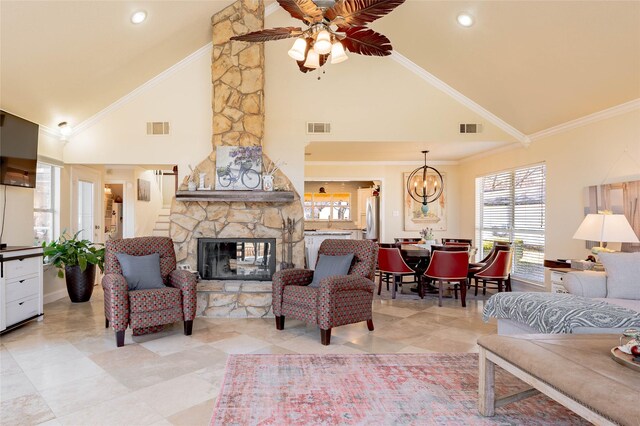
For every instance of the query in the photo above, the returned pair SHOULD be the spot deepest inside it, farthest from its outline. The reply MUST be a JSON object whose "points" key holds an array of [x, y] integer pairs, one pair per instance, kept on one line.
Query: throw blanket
{"points": [[558, 313]]}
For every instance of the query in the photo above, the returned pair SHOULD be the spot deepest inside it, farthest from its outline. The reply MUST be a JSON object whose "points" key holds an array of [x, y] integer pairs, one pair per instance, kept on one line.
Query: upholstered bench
{"points": [[575, 370]]}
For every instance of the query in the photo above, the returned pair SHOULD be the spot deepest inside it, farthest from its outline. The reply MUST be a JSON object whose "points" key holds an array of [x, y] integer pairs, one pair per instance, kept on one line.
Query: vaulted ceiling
{"points": [[534, 64]]}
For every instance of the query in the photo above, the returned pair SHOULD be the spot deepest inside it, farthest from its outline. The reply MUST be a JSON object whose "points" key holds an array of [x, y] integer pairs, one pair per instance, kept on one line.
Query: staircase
{"points": [[161, 228]]}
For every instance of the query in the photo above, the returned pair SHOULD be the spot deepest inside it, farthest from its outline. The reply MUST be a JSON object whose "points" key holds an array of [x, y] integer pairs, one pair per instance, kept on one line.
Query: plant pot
{"points": [[79, 283]]}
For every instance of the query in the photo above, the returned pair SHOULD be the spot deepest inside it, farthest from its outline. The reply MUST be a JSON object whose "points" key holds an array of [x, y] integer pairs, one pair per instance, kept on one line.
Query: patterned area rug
{"points": [[394, 389]]}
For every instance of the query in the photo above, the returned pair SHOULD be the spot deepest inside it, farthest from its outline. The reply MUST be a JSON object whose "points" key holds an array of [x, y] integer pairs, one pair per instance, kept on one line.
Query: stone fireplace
{"points": [[237, 73]]}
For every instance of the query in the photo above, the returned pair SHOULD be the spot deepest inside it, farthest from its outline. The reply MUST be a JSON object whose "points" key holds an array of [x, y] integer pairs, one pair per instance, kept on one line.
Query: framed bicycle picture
{"points": [[238, 168]]}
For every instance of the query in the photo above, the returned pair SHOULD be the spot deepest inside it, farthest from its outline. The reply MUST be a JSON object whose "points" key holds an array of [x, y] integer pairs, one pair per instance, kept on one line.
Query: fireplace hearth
{"points": [[236, 258]]}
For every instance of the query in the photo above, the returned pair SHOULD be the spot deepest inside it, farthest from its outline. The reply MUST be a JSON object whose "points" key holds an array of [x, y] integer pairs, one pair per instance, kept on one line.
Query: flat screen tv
{"points": [[18, 151]]}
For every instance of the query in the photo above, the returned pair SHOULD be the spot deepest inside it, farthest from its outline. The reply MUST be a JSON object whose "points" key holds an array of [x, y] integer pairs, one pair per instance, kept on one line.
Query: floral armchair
{"points": [[339, 300], [147, 311]]}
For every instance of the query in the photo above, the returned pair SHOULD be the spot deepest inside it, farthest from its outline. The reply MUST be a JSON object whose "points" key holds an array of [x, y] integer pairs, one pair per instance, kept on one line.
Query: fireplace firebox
{"points": [[236, 258]]}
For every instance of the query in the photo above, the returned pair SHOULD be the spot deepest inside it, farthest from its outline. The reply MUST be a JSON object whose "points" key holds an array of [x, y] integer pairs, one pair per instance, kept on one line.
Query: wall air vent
{"points": [[470, 128], [157, 128], [318, 128]]}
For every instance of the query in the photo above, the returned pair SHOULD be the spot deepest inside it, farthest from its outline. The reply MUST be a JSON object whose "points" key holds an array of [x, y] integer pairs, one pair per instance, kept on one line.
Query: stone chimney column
{"points": [[237, 73]]}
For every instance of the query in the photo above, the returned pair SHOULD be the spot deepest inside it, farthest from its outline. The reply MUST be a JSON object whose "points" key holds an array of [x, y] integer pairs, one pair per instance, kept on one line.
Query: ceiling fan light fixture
{"points": [[337, 53], [297, 51], [313, 60], [322, 45], [465, 19]]}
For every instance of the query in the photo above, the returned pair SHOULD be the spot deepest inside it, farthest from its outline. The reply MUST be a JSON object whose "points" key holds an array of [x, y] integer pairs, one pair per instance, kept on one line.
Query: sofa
{"points": [[597, 302]]}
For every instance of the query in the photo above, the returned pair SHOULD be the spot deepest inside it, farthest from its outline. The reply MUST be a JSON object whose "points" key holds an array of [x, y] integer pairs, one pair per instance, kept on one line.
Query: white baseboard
{"points": [[54, 295]]}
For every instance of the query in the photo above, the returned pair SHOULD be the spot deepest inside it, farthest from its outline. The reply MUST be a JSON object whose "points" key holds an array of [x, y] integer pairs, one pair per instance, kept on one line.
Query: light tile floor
{"points": [[66, 369]]}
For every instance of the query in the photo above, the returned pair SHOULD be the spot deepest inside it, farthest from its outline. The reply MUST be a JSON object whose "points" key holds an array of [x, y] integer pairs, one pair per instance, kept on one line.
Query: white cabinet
{"points": [[21, 297], [313, 239], [557, 280]]}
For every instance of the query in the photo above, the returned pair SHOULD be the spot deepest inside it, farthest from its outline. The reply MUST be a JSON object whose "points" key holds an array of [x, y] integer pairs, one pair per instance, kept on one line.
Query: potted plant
{"points": [[79, 259]]}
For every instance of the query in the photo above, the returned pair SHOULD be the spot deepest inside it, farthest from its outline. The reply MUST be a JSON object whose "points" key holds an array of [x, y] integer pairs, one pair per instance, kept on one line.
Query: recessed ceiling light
{"points": [[138, 17], [465, 20], [65, 130]]}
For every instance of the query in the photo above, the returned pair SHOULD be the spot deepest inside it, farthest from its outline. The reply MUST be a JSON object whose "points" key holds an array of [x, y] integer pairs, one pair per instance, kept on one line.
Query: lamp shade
{"points": [[610, 228], [313, 60], [322, 45], [298, 50], [337, 53]]}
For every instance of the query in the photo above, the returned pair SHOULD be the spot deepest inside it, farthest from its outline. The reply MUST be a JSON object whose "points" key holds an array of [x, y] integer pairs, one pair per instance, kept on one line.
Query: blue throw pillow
{"points": [[141, 272], [329, 266]]}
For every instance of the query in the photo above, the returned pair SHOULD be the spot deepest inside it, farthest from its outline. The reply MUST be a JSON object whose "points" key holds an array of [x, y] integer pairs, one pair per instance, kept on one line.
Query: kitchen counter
{"points": [[328, 232]]}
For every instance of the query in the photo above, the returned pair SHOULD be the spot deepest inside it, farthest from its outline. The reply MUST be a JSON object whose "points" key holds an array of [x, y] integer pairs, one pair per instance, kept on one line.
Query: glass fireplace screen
{"points": [[236, 258]]}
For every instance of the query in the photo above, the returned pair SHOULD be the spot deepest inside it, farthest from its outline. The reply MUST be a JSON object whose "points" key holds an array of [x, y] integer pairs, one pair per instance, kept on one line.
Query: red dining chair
{"points": [[454, 241], [407, 240], [450, 267], [498, 271], [497, 245], [391, 263], [474, 267]]}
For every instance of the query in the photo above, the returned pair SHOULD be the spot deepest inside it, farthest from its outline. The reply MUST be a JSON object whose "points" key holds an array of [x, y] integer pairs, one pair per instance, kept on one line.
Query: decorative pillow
{"points": [[623, 274], [329, 266], [141, 272]]}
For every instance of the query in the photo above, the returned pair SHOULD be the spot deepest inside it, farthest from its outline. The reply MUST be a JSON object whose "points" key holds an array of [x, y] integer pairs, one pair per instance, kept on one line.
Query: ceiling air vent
{"points": [[316, 128], [470, 128], [157, 128]]}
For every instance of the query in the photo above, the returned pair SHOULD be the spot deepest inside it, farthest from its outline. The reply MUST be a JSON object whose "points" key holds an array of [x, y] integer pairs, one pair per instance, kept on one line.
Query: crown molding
{"points": [[206, 49], [271, 8], [509, 147], [49, 131], [588, 119], [380, 163], [444, 87]]}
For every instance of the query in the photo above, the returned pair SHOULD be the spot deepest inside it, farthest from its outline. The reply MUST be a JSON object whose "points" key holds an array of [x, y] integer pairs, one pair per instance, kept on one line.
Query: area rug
{"points": [[390, 389]]}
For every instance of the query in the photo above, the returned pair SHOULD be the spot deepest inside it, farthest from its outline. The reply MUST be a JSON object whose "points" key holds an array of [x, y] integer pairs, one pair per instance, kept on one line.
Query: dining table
{"points": [[418, 257]]}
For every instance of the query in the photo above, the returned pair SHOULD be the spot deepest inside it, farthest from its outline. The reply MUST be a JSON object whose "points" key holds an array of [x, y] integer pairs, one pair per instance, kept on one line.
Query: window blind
{"points": [[510, 206]]}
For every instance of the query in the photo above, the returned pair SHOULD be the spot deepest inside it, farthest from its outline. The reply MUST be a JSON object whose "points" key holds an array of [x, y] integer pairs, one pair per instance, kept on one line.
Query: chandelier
{"points": [[425, 185], [333, 27]]}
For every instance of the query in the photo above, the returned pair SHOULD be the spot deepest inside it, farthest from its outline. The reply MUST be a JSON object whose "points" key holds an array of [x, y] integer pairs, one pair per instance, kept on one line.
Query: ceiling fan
{"points": [[333, 26]]}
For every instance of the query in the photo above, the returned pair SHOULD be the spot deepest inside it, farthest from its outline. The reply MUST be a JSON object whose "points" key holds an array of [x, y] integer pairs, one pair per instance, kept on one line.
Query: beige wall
{"points": [[18, 217], [588, 155], [146, 212], [392, 195], [183, 99]]}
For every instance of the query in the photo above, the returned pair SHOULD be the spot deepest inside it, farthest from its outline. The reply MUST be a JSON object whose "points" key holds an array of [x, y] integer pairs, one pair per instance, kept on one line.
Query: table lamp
{"points": [[605, 228]]}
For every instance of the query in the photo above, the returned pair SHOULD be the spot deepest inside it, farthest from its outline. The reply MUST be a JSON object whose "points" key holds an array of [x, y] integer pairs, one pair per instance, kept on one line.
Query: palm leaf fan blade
{"points": [[365, 41], [305, 10], [279, 33], [355, 13]]}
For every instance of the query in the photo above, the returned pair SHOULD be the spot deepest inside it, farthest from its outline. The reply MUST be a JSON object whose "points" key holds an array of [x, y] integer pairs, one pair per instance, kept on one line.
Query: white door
{"points": [[86, 202]]}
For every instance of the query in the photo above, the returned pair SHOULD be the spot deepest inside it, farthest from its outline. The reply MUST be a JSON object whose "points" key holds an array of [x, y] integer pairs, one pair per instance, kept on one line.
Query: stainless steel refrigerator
{"points": [[372, 232]]}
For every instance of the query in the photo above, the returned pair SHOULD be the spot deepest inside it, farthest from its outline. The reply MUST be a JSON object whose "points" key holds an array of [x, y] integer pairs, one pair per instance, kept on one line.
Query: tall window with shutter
{"points": [[46, 204], [510, 206]]}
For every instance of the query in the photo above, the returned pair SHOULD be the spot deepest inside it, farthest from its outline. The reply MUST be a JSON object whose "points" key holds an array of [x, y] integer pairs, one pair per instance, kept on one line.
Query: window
{"points": [[336, 206], [46, 203], [510, 206]]}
